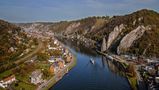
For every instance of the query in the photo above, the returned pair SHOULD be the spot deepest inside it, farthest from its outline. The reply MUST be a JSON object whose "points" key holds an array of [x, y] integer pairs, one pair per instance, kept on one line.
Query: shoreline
{"points": [[73, 63], [52, 81], [130, 80]]}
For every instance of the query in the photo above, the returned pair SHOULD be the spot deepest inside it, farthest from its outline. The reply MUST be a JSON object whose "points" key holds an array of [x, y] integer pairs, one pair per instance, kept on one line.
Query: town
{"points": [[141, 72], [42, 69], [79, 45], [147, 71]]}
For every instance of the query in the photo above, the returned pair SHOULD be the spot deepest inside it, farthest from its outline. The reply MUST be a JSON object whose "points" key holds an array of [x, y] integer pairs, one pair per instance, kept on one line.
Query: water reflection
{"points": [[112, 66], [103, 75], [79, 47]]}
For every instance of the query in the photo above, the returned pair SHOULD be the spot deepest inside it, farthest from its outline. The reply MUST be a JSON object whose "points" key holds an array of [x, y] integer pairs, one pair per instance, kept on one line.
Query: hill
{"points": [[13, 42], [136, 33]]}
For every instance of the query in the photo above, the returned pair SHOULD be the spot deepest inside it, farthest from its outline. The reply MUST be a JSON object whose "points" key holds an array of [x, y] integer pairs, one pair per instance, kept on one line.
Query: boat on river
{"points": [[92, 61]]}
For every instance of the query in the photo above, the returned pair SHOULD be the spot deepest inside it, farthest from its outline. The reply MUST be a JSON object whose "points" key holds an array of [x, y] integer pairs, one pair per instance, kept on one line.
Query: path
{"points": [[23, 59]]}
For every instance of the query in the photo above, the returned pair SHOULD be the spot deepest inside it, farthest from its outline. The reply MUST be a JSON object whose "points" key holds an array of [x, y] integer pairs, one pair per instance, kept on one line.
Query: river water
{"points": [[103, 75]]}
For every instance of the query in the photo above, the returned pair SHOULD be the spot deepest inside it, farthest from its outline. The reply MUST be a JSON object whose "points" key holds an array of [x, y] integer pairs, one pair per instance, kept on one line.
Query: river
{"points": [[103, 75]]}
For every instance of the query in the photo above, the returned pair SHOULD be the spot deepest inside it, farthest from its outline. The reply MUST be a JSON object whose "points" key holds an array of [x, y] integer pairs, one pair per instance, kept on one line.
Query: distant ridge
{"points": [[118, 27]]}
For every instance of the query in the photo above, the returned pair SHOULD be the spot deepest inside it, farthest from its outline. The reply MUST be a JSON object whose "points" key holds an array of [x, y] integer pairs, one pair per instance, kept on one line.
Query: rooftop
{"points": [[36, 73], [9, 78]]}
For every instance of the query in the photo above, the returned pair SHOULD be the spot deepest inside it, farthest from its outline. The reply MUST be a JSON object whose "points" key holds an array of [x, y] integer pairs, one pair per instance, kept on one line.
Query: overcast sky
{"points": [[57, 10]]}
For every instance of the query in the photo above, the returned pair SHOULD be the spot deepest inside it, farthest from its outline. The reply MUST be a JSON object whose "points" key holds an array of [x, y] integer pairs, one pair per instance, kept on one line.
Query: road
{"points": [[140, 82], [23, 59]]}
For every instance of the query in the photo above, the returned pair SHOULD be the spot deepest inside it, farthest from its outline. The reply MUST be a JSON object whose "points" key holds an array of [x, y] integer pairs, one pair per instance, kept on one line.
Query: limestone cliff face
{"points": [[128, 40], [35, 27], [114, 34], [72, 27], [126, 33]]}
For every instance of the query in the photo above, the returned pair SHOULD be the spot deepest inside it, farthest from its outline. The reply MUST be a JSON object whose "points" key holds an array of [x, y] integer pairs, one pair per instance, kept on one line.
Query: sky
{"points": [[60, 10]]}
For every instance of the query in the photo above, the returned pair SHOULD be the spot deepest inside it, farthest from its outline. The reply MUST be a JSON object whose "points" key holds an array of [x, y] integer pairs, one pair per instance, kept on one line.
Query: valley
{"points": [[50, 55]]}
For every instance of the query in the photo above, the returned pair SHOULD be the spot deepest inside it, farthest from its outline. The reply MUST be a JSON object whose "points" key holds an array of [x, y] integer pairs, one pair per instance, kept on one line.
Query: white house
{"points": [[52, 59], [157, 79], [51, 48], [55, 42], [6, 81], [36, 77]]}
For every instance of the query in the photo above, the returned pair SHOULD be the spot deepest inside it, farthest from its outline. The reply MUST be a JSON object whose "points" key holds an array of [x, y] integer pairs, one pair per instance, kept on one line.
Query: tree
{"points": [[45, 73], [131, 69], [56, 53], [42, 56]]}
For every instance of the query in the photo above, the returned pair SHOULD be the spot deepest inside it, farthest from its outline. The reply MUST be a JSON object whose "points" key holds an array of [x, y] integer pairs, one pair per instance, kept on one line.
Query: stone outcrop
{"points": [[128, 40], [103, 47], [124, 34], [72, 27], [35, 27], [114, 34]]}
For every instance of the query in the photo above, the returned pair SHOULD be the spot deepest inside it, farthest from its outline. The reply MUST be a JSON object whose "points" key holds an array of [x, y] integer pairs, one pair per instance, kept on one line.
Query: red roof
{"points": [[9, 78]]}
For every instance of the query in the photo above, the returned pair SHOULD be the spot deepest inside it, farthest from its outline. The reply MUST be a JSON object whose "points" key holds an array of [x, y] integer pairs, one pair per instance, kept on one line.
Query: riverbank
{"points": [[131, 79], [52, 81], [88, 76]]}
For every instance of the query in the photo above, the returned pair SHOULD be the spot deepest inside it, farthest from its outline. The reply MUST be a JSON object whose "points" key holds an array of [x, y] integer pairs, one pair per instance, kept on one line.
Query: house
{"points": [[54, 59], [56, 66], [150, 69], [128, 57], [61, 64], [8, 80], [133, 57], [68, 58], [157, 80], [36, 77], [12, 49], [157, 69], [66, 51], [51, 69], [150, 61], [55, 42], [52, 48]]}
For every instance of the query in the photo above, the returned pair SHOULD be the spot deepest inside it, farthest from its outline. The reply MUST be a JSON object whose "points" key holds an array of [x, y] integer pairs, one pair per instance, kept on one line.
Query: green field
{"points": [[23, 86]]}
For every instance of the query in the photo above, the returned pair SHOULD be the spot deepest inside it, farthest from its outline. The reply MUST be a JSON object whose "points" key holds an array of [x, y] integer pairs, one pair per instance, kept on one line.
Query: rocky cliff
{"points": [[131, 37], [72, 27], [126, 34], [114, 34]]}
